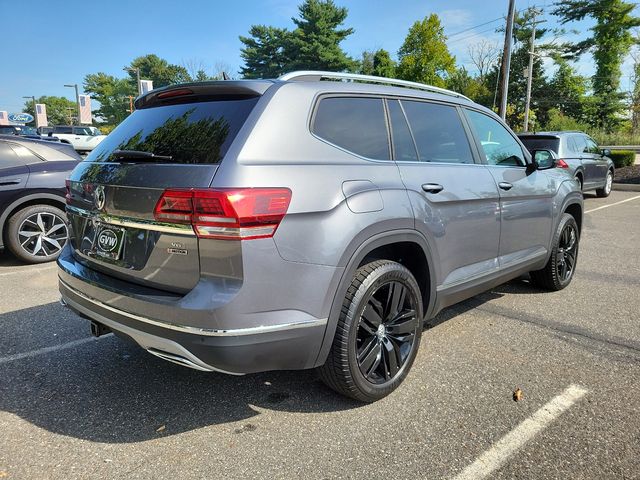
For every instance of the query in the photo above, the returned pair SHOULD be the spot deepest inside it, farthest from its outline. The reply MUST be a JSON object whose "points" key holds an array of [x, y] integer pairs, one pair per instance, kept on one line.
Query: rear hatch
{"points": [[541, 142], [171, 141]]}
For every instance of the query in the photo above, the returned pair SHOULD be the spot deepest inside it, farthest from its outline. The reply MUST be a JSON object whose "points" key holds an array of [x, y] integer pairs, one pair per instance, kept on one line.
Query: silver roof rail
{"points": [[315, 76]]}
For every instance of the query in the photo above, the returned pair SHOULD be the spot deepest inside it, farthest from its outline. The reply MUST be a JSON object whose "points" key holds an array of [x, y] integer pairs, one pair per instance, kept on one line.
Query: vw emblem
{"points": [[98, 197]]}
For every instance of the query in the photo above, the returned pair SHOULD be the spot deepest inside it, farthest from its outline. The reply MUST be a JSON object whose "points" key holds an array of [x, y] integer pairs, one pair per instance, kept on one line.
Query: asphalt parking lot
{"points": [[76, 407]]}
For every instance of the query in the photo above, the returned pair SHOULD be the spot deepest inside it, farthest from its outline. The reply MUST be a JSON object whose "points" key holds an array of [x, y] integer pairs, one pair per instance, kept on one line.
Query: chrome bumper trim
{"points": [[195, 330], [134, 223]]}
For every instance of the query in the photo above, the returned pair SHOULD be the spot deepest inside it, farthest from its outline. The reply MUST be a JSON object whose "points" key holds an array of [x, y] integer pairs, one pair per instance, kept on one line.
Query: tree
{"points": [[383, 64], [610, 43], [462, 82], [157, 69], [265, 52], [424, 56], [113, 95], [567, 90], [59, 109], [484, 55], [315, 43], [366, 63]]}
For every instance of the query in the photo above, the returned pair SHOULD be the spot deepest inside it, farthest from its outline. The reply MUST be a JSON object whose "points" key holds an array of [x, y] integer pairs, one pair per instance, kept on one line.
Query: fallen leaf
{"points": [[3, 474], [517, 395], [161, 428]]}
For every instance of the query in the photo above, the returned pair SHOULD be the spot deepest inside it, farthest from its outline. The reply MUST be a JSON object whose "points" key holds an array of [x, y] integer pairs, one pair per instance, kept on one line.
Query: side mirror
{"points": [[606, 152], [542, 160]]}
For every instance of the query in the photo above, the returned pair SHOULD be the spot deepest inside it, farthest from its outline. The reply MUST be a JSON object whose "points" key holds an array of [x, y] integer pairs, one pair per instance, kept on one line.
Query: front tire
{"points": [[378, 333], [559, 270], [37, 234], [608, 184]]}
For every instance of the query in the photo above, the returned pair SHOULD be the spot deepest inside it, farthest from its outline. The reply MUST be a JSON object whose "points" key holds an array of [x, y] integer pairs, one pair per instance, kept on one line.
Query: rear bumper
{"points": [[238, 351], [213, 337]]}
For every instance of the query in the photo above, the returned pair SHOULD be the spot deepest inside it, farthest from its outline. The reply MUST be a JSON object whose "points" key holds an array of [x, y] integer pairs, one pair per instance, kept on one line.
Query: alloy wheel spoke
{"points": [[397, 294], [40, 223], [404, 324], [25, 233], [371, 359], [38, 246], [54, 228], [390, 359], [371, 316], [53, 242]]}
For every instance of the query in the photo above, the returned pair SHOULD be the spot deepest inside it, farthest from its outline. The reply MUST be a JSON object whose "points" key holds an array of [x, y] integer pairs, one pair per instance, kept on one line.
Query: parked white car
{"points": [[82, 138]]}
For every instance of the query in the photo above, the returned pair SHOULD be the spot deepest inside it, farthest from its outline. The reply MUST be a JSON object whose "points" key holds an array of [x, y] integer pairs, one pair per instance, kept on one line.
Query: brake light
{"points": [[178, 92], [67, 195], [560, 163], [228, 214]]}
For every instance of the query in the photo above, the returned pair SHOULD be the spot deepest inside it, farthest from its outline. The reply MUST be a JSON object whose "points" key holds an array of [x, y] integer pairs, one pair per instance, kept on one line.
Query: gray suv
{"points": [[253, 225], [580, 155]]}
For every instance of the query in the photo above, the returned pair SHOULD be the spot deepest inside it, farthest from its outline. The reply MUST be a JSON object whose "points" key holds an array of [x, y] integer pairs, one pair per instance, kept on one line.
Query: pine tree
{"points": [[265, 52]]}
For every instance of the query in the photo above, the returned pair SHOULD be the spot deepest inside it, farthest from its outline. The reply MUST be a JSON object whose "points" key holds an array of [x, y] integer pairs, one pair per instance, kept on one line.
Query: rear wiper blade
{"points": [[139, 155]]}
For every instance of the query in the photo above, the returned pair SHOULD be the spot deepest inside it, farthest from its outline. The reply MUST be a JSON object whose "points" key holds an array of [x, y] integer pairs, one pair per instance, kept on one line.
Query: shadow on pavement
{"points": [[112, 391]]}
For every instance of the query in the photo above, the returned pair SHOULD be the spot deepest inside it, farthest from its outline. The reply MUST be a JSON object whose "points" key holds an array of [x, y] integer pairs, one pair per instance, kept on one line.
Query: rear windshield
{"points": [[188, 133], [541, 143]]}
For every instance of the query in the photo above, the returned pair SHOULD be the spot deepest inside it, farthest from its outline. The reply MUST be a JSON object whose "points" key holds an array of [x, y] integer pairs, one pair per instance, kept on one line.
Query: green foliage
{"points": [[424, 56], [59, 109], [157, 69], [383, 64], [610, 44], [265, 52], [462, 82], [365, 64], [112, 93], [567, 90], [623, 158], [315, 43], [557, 120]]}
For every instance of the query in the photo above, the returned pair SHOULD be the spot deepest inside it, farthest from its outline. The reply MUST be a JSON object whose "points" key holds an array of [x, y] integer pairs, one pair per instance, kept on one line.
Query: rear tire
{"points": [[378, 333], [559, 270], [606, 190], [37, 234]]}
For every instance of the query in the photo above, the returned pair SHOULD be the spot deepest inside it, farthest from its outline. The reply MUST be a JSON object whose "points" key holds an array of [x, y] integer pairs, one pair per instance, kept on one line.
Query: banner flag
{"points": [[85, 108], [41, 115], [146, 86]]}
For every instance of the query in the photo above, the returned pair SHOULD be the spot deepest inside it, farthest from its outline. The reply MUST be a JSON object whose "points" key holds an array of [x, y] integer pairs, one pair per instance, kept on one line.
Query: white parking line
{"points": [[500, 452], [29, 270], [613, 204], [42, 351]]}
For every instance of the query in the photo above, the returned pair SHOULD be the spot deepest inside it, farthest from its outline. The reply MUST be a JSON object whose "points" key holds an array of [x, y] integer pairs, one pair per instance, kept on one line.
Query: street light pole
{"points": [[506, 59], [35, 113], [75, 85]]}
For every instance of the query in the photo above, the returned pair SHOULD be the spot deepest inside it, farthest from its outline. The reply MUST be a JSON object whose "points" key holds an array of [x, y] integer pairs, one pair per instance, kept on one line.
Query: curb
{"points": [[626, 187]]}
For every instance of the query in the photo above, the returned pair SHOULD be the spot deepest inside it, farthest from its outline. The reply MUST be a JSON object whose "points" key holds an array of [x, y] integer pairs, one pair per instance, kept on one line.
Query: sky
{"points": [[49, 44]]}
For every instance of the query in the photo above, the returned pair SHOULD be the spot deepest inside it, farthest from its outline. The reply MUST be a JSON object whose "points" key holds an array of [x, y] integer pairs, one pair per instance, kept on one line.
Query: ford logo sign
{"points": [[20, 117]]}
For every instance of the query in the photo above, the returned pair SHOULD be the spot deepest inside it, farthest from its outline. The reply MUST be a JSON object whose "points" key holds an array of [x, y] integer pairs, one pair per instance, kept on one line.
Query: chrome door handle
{"points": [[505, 185], [432, 187]]}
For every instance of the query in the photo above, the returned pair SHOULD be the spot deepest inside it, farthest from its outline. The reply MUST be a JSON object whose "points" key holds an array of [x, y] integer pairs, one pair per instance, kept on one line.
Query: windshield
{"points": [[18, 130], [188, 133]]}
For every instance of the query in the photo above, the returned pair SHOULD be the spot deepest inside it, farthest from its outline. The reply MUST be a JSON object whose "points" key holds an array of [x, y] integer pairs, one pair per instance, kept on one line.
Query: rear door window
{"points": [[356, 124], [9, 158], [190, 133], [63, 130], [403, 145], [438, 132]]}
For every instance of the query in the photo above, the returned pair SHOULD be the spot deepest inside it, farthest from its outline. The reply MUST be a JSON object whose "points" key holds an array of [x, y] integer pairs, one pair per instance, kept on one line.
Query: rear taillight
{"points": [[67, 195], [228, 214], [560, 163]]}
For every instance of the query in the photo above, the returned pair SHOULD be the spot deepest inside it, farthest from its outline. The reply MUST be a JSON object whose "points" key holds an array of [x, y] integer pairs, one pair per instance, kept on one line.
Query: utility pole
{"points": [[130, 97], [506, 59], [530, 70], [137, 70], [35, 113], [75, 85]]}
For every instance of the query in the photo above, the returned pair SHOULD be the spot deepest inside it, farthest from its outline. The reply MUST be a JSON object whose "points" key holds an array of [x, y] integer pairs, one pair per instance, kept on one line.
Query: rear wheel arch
{"points": [[401, 246], [580, 176], [575, 210], [27, 201]]}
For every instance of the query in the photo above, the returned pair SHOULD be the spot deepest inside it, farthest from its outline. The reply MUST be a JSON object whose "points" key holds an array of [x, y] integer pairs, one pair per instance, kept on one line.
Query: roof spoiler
{"points": [[203, 92]]}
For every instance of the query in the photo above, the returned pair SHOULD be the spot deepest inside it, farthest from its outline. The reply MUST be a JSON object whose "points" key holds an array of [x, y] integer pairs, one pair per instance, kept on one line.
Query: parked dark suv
{"points": [[244, 226], [32, 189], [578, 153]]}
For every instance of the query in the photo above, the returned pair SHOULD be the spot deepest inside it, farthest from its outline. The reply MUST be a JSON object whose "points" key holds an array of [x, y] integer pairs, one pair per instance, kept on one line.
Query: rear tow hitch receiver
{"points": [[98, 329]]}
